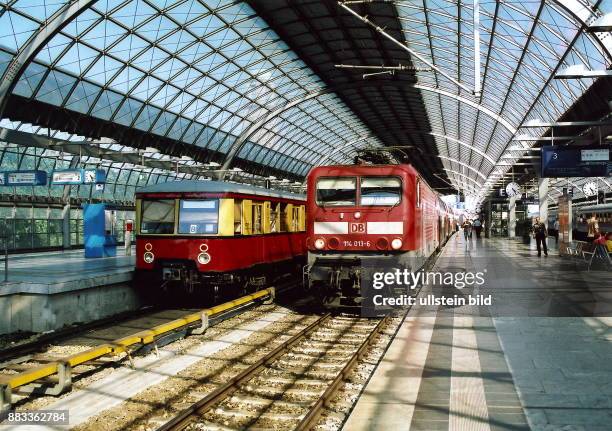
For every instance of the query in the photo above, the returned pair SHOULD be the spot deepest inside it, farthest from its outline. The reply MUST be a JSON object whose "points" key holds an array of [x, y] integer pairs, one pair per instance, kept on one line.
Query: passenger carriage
{"points": [[203, 236]]}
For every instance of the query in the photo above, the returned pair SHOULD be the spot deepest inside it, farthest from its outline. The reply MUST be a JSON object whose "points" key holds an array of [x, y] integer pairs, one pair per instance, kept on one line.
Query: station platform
{"points": [[538, 358], [45, 291]]}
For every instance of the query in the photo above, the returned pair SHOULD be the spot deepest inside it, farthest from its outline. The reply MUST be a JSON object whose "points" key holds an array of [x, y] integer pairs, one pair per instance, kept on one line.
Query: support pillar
{"points": [[66, 244], [488, 221], [543, 199], [512, 217]]}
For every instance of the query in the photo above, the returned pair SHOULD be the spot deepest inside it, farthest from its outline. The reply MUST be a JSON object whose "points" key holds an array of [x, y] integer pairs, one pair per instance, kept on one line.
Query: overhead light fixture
{"points": [[151, 150], [236, 170], [577, 71], [186, 159], [534, 122], [601, 24], [524, 138]]}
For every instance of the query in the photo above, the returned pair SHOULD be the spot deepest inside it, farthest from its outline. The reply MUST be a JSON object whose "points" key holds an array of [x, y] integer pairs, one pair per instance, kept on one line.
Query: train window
{"points": [[295, 219], [237, 217], [285, 218], [381, 190], [257, 218], [199, 217], [338, 191], [275, 213], [418, 193], [157, 217]]}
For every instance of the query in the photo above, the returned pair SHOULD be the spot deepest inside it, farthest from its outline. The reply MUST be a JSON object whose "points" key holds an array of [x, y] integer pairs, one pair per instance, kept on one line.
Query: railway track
{"points": [[41, 343], [31, 368], [289, 387]]}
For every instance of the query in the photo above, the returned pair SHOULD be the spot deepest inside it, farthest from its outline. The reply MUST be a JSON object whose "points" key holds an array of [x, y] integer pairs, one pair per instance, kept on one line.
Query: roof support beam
{"points": [[465, 144], [586, 17], [35, 43], [253, 128], [498, 118], [465, 165]]}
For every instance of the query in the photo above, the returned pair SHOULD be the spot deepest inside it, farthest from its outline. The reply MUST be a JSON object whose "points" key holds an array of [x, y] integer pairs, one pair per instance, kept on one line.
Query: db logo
{"points": [[357, 228]]}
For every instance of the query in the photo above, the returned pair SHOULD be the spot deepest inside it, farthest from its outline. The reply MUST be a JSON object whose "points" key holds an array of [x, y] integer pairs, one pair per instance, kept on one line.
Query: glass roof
{"points": [[202, 72], [522, 45], [199, 72]]}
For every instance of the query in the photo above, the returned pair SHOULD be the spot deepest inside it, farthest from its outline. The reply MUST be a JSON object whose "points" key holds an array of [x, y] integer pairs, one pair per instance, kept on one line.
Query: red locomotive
{"points": [[379, 215], [214, 235]]}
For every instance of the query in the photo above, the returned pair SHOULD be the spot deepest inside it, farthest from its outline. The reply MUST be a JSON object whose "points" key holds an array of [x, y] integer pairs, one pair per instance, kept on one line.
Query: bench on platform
{"points": [[592, 251]]}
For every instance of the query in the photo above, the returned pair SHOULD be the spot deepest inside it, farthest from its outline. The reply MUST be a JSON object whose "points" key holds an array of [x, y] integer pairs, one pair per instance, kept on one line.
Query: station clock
{"points": [[590, 189], [513, 189]]}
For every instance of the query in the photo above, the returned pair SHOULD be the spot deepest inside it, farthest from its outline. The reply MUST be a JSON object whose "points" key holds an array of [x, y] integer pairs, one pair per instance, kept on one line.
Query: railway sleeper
{"points": [[279, 380], [292, 394], [314, 354], [235, 415], [265, 402]]}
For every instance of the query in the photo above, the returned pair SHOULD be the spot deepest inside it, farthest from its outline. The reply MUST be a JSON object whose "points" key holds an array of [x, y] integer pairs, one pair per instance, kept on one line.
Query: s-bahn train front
{"points": [[381, 216]]}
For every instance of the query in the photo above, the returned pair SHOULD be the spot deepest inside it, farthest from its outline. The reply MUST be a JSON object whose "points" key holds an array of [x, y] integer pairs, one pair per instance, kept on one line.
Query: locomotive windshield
{"points": [[199, 216], [157, 216], [337, 191], [381, 190]]}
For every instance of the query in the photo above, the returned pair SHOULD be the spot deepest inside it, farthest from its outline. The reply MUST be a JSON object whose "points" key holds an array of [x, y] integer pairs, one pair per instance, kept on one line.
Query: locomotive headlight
{"points": [[357, 215], [396, 244], [148, 257], [203, 258], [319, 243]]}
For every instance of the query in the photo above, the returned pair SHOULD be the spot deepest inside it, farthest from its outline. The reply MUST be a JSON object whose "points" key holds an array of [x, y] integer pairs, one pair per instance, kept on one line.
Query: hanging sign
{"points": [[67, 177], [78, 176], [25, 178], [585, 161]]}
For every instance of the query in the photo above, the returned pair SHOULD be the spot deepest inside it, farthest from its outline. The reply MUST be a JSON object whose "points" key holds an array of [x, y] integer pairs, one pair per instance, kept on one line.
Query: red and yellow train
{"points": [[383, 216], [223, 239], [219, 236]]}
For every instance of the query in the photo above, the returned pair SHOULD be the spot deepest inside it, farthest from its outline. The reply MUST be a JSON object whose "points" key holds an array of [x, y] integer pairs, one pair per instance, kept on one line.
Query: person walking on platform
{"points": [[556, 230], [539, 233], [593, 228], [467, 229], [477, 227]]}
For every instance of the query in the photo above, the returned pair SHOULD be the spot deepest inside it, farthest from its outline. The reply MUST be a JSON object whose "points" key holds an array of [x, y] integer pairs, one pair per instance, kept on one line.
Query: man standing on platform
{"points": [[539, 233], [477, 227]]}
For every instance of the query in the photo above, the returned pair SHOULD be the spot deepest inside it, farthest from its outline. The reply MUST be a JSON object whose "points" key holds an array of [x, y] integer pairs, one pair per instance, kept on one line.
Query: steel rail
{"points": [[313, 414], [189, 415], [62, 367], [192, 414], [14, 352]]}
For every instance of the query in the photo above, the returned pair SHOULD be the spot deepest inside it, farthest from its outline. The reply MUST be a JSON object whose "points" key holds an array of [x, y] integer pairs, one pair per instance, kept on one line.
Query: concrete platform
{"points": [[538, 358], [46, 291]]}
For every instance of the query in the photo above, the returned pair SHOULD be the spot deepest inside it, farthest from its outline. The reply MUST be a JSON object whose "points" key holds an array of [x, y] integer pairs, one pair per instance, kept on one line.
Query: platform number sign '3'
{"points": [[357, 228]]}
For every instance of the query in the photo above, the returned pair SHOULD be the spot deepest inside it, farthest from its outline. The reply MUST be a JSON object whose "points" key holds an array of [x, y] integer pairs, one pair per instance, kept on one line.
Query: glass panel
{"points": [[381, 191], [157, 217], [337, 191], [199, 217]]}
